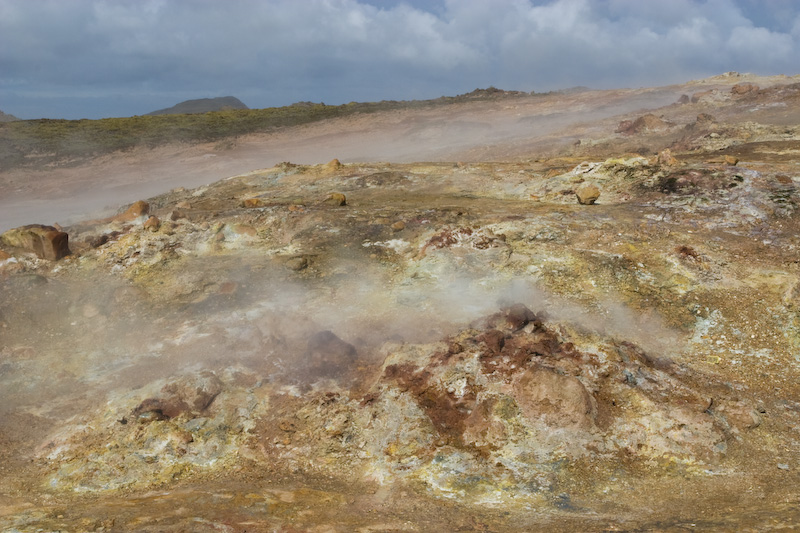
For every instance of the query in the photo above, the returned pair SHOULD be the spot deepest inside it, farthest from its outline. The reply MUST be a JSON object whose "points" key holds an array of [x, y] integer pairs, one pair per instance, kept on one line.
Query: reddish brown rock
{"points": [[587, 194], [546, 396], [45, 241], [493, 339], [738, 415], [744, 88], [705, 120], [136, 210], [152, 223], [519, 316], [188, 395]]}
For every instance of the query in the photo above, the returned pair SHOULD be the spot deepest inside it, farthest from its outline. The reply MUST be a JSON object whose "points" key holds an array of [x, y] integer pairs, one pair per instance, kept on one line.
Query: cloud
{"points": [[153, 53]]}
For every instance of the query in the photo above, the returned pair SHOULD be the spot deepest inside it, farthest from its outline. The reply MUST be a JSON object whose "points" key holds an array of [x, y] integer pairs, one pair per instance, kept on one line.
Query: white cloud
{"points": [[796, 28], [761, 48], [279, 51]]}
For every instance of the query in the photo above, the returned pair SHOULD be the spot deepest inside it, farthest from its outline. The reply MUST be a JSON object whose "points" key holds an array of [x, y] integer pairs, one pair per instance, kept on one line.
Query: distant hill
{"points": [[4, 117], [202, 105]]}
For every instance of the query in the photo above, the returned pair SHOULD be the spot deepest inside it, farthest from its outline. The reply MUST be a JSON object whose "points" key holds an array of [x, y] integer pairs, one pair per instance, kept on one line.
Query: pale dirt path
{"points": [[466, 131]]}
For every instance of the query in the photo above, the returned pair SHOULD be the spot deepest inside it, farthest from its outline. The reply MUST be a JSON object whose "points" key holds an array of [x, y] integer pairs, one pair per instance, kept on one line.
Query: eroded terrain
{"points": [[448, 346]]}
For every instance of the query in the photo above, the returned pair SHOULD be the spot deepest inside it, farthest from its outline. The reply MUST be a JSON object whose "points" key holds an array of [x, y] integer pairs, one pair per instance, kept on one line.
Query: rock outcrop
{"points": [[644, 124], [744, 88], [336, 199], [136, 210], [45, 241], [587, 194], [189, 395]]}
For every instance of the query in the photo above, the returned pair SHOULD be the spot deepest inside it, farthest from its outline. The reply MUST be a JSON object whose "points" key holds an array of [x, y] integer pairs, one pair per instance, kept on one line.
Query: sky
{"points": [[107, 58]]}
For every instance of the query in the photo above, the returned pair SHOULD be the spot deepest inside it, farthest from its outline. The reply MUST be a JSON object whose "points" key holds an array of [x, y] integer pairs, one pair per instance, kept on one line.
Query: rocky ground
{"points": [[599, 332]]}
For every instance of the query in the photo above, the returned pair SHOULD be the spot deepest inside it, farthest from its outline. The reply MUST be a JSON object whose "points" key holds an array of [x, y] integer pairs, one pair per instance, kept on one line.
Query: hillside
{"points": [[97, 163], [202, 105]]}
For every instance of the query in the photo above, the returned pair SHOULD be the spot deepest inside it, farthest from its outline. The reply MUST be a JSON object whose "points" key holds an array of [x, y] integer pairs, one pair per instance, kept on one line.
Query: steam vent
{"points": [[549, 335]]}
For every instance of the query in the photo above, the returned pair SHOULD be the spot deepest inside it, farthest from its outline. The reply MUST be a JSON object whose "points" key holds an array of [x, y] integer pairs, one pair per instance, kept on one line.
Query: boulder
{"points": [[45, 241], [137, 209], [738, 415], [336, 198], [519, 316], [644, 124], [152, 223], [744, 88], [177, 214], [508, 320], [328, 355], [705, 120], [587, 194], [544, 395], [333, 164], [187, 395], [96, 241], [623, 127]]}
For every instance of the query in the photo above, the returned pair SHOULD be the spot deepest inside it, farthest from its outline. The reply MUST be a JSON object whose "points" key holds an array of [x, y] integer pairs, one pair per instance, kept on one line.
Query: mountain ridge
{"points": [[201, 105]]}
